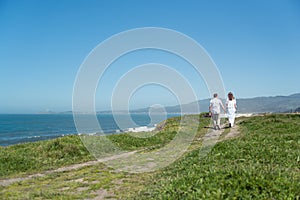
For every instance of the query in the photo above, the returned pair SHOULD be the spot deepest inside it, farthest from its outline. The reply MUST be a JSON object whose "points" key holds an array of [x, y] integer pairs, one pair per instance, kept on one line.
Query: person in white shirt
{"points": [[231, 108], [215, 109]]}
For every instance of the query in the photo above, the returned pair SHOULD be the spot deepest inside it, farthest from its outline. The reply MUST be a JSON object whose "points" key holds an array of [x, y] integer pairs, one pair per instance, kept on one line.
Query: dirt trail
{"points": [[6, 182], [233, 132]]}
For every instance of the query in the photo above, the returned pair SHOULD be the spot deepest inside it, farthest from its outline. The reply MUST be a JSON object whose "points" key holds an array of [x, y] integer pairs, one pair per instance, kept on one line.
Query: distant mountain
{"points": [[188, 108], [277, 104]]}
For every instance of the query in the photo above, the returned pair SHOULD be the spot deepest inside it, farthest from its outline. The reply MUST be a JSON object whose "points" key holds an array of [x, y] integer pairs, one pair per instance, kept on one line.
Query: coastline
{"points": [[24, 128], [43, 138], [14, 140]]}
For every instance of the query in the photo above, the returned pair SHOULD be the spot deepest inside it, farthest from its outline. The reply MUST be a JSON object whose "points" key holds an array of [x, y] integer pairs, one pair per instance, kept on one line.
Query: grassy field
{"points": [[27, 158], [263, 162]]}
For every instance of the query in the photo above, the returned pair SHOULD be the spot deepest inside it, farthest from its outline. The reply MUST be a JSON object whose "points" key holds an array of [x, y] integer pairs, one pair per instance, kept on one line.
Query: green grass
{"points": [[129, 142], [35, 157], [263, 162]]}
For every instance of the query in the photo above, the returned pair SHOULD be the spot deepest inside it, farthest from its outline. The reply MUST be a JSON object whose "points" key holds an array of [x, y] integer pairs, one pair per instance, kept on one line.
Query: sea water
{"points": [[19, 128]]}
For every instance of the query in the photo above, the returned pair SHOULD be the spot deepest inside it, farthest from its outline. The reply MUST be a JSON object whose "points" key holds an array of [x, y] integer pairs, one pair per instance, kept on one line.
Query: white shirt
{"points": [[231, 105], [215, 105]]}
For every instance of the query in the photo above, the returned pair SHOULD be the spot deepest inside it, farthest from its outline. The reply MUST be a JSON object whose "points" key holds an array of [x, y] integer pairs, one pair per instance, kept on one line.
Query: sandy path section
{"points": [[6, 182]]}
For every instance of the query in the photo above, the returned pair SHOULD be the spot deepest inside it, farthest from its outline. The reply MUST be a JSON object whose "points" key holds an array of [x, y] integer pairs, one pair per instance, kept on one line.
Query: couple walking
{"points": [[215, 110]]}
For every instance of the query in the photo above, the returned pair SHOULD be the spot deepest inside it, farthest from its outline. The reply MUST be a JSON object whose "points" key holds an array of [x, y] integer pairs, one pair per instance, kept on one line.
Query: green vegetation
{"points": [[262, 162], [35, 157], [105, 146]]}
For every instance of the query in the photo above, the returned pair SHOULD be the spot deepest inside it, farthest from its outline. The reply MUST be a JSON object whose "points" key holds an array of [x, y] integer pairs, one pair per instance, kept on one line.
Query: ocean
{"points": [[20, 128]]}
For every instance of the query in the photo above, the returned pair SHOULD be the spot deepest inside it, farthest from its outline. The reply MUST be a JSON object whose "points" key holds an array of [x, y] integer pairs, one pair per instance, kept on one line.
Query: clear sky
{"points": [[255, 45]]}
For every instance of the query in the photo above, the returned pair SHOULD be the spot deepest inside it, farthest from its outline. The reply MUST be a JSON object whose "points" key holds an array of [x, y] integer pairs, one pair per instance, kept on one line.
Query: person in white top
{"points": [[215, 109], [231, 108]]}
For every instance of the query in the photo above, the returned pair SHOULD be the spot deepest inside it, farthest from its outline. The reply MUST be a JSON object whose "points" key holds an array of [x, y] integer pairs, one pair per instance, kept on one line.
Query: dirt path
{"points": [[6, 182], [233, 133]]}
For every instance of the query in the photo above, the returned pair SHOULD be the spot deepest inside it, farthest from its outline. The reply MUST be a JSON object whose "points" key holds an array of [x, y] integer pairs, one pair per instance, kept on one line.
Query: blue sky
{"points": [[255, 45]]}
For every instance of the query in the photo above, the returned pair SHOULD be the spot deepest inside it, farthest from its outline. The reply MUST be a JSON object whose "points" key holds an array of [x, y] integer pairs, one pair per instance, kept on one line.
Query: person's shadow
{"points": [[211, 127]]}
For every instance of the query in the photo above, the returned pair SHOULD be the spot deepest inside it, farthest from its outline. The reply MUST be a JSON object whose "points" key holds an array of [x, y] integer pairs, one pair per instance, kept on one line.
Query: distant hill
{"points": [[276, 104]]}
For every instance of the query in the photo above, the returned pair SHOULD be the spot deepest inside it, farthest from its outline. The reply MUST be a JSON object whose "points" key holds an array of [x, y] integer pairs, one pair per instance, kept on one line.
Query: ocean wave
{"points": [[141, 129]]}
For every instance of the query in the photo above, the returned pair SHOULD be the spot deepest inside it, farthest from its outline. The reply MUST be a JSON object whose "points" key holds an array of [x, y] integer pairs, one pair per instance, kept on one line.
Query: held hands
{"points": [[224, 110]]}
